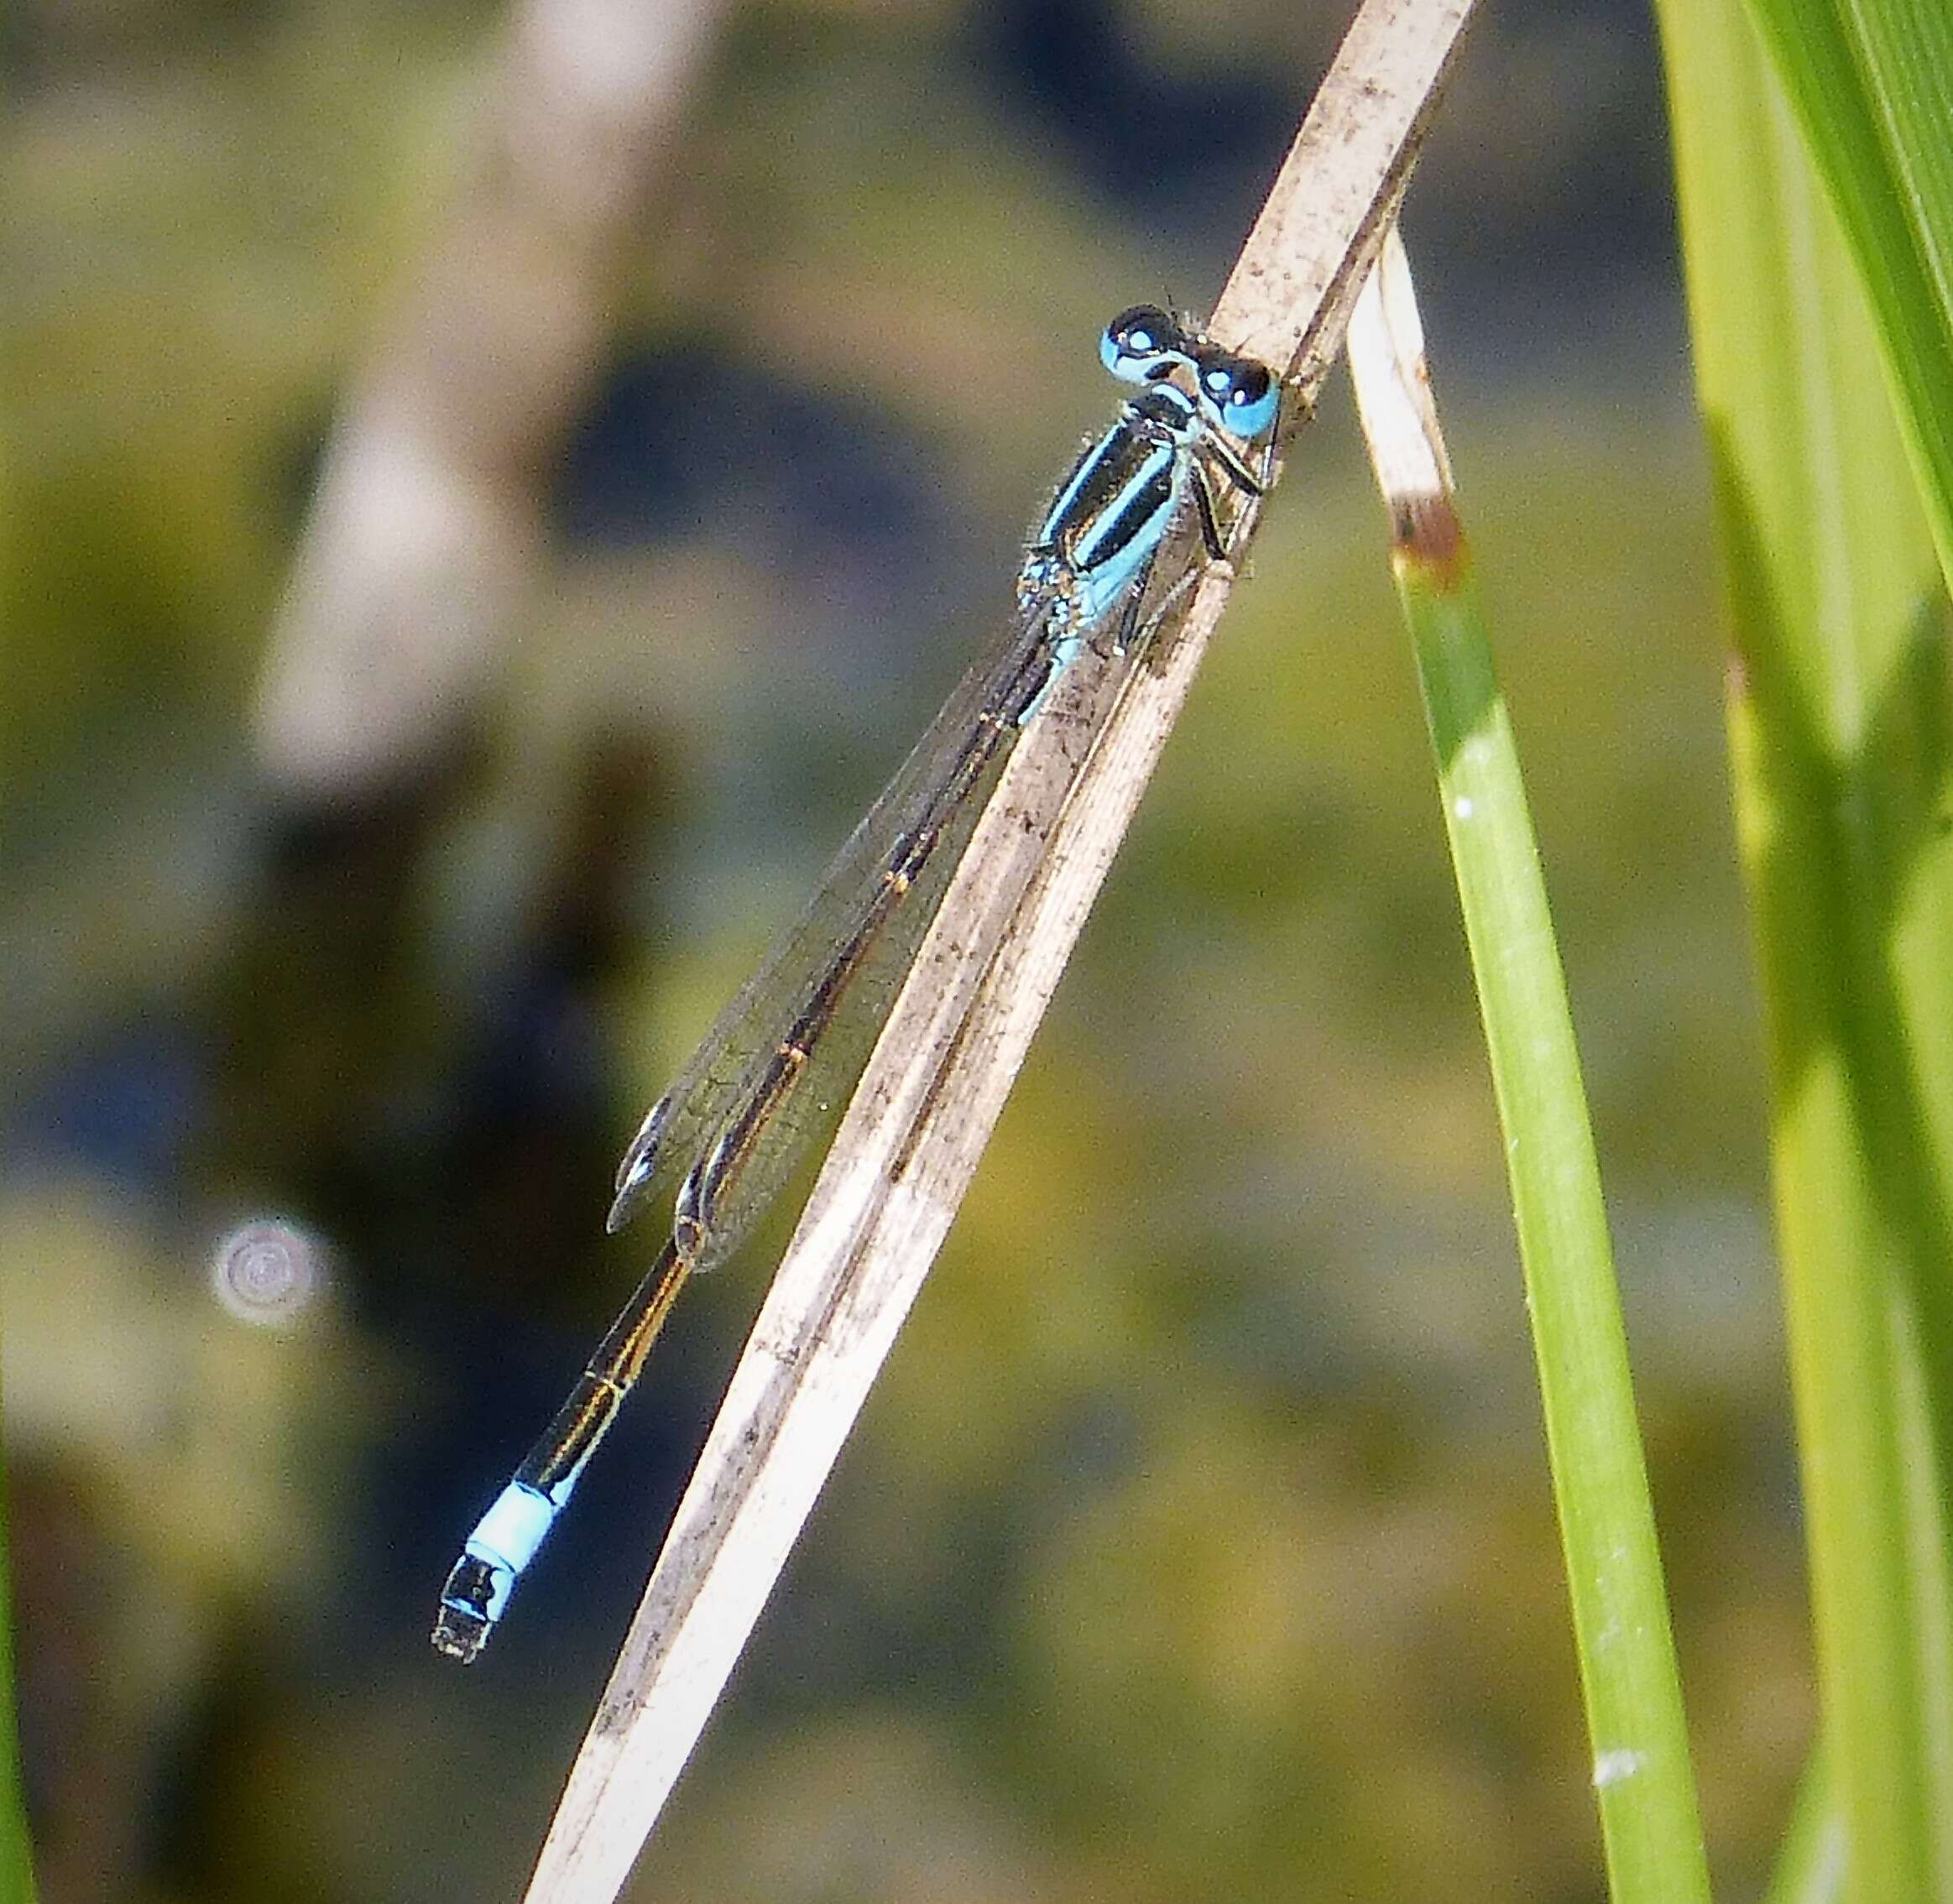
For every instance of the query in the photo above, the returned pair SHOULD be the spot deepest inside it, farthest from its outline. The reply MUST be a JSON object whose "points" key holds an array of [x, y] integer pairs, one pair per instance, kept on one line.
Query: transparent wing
{"points": [[835, 971]]}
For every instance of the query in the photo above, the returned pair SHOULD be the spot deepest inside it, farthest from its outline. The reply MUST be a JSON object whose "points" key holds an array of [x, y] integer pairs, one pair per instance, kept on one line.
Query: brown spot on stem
{"points": [[1429, 537]]}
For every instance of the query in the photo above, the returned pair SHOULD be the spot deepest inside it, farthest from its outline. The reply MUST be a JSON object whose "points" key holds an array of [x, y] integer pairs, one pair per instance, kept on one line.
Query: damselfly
{"points": [[741, 1112]]}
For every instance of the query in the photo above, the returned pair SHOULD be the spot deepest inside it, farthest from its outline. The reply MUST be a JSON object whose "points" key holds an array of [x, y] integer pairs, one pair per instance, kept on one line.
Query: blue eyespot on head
{"points": [[1142, 344], [1240, 393]]}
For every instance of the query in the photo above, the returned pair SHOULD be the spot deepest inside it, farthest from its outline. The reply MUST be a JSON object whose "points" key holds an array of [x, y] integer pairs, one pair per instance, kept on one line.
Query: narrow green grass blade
{"points": [[1842, 744], [1649, 1817], [1810, 1866], [16, 1849], [1620, 1620], [1871, 83]]}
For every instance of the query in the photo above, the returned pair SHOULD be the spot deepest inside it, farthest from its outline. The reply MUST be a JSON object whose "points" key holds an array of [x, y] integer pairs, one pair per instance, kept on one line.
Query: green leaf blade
{"points": [[1644, 1780], [1871, 82], [1838, 693]]}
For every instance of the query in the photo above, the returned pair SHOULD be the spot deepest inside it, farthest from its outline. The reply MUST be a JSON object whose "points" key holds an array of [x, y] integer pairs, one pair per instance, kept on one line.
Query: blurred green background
{"points": [[1197, 1543]]}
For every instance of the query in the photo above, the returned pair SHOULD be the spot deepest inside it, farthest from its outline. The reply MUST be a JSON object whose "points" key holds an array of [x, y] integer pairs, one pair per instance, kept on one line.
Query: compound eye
{"points": [[1141, 344], [1242, 393]]}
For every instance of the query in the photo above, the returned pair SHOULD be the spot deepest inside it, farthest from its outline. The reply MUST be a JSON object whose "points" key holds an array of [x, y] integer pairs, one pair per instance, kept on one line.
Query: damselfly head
{"points": [[1240, 393], [1143, 344], [1146, 344]]}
